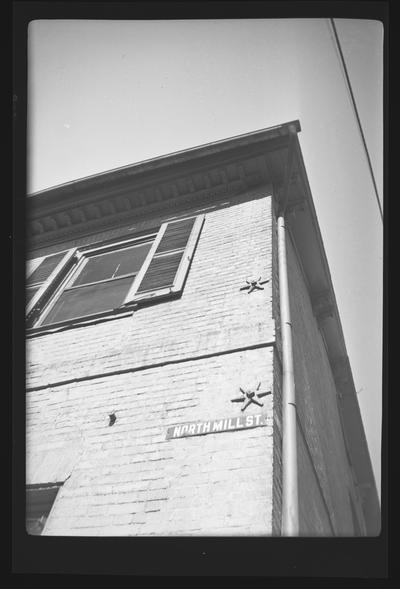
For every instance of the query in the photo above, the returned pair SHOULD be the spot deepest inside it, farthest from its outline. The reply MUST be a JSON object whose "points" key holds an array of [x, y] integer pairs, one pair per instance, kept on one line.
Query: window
{"points": [[41, 274], [80, 283], [38, 272], [39, 501], [100, 283]]}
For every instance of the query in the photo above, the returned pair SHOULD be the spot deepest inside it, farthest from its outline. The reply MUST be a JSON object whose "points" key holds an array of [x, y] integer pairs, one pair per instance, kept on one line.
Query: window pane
{"points": [[113, 264], [89, 299], [45, 268]]}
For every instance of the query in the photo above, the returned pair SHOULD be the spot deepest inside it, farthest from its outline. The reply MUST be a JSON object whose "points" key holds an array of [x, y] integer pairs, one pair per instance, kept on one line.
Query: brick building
{"points": [[186, 367]]}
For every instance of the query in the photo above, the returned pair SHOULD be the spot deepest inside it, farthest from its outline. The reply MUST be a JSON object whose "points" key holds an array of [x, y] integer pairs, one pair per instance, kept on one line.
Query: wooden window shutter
{"points": [[43, 275], [166, 266]]}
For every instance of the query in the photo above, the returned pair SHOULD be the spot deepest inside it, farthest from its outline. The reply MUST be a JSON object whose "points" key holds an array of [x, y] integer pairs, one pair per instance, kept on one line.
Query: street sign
{"points": [[214, 426]]}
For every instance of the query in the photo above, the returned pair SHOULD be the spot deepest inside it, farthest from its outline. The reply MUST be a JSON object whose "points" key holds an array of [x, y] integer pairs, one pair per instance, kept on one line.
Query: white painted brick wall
{"points": [[131, 475], [128, 479]]}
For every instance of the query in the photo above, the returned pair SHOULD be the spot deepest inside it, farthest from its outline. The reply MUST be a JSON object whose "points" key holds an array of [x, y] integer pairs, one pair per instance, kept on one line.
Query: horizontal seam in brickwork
{"points": [[152, 366]]}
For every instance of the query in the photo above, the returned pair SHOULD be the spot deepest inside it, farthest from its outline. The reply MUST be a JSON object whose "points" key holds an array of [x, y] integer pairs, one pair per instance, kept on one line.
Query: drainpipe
{"points": [[290, 504]]}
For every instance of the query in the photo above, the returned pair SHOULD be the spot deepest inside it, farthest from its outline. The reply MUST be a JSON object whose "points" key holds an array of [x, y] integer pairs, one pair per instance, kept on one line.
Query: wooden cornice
{"points": [[102, 208], [222, 167]]}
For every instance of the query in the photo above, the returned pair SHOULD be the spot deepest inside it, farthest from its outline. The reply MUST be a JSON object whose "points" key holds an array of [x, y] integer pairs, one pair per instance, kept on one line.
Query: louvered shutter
{"points": [[43, 275], [165, 268]]}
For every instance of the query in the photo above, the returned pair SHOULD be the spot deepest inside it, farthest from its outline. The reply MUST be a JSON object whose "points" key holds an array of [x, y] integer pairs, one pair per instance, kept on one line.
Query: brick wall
{"points": [[277, 399], [173, 362], [324, 474], [314, 518], [128, 479], [277, 447]]}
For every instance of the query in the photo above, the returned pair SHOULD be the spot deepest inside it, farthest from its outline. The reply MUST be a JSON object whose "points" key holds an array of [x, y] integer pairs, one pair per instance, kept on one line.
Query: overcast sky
{"points": [[104, 94]]}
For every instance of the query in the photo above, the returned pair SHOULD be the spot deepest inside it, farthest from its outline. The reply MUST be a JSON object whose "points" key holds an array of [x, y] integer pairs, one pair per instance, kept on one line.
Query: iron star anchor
{"points": [[254, 284], [249, 397]]}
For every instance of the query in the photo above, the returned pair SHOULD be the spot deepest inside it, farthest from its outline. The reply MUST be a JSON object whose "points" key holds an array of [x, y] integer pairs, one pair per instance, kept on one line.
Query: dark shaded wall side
{"points": [[325, 478]]}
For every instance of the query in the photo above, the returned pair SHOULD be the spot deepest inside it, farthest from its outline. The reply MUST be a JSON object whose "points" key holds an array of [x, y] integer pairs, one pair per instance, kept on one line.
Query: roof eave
{"points": [[160, 163]]}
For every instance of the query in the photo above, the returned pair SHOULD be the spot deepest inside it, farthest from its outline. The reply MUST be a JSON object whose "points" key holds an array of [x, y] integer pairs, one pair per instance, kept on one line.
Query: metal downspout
{"points": [[290, 503]]}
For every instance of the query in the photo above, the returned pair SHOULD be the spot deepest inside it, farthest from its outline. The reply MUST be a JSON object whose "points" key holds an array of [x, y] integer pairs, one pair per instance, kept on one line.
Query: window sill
{"points": [[80, 322]]}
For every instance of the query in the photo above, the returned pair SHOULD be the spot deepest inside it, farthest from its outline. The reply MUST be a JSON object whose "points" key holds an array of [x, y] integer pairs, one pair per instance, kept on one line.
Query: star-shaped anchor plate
{"points": [[249, 397], [254, 284]]}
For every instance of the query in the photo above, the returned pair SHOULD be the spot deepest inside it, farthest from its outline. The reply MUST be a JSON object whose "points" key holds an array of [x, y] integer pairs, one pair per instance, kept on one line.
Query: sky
{"points": [[105, 94]]}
